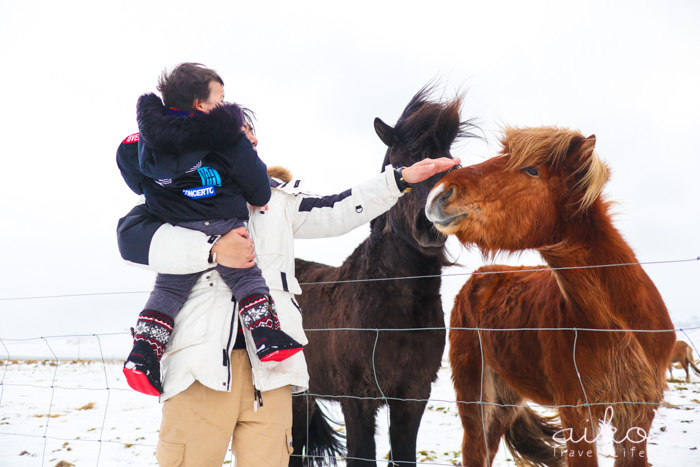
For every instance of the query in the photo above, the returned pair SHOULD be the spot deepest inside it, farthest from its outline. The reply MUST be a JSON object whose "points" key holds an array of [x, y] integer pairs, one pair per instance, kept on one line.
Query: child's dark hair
{"points": [[186, 83]]}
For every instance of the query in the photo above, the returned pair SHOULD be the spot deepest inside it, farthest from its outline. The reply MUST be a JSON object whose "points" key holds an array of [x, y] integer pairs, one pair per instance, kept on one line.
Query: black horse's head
{"points": [[426, 128]]}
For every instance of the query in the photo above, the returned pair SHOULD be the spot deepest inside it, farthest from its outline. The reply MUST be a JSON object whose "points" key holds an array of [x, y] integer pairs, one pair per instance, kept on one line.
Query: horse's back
{"points": [[316, 279], [318, 283], [681, 351], [309, 272]]}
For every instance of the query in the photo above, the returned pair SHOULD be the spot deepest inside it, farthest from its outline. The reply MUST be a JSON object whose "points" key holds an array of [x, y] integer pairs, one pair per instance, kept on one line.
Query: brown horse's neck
{"points": [[624, 288]]}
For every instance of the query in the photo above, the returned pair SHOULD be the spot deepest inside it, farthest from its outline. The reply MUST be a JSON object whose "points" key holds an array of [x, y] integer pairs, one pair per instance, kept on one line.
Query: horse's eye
{"points": [[531, 171]]}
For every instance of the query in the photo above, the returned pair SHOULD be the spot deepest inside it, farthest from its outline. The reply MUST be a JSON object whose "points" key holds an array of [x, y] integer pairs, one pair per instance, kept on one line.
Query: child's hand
{"points": [[258, 208]]}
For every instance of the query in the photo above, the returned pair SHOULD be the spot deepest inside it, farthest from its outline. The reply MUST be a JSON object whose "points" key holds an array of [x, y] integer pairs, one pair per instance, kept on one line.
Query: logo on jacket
{"points": [[202, 192], [209, 176], [131, 139]]}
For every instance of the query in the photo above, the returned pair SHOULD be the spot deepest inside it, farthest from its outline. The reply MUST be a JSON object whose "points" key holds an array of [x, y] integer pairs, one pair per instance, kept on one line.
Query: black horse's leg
{"points": [[303, 407], [405, 418], [360, 426]]}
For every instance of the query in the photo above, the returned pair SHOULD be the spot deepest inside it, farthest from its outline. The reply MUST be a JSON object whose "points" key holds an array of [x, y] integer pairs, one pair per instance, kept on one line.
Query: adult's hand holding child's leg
{"points": [[235, 249]]}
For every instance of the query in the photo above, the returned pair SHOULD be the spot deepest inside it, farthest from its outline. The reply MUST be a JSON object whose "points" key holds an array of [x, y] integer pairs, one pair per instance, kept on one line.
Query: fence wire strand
{"points": [[382, 279]]}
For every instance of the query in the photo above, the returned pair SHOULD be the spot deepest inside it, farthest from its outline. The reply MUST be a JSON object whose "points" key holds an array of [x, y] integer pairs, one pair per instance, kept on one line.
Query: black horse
{"points": [[390, 332]]}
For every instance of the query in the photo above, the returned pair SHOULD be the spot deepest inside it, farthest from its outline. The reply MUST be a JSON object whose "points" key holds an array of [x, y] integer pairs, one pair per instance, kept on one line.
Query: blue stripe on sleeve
{"points": [[307, 204]]}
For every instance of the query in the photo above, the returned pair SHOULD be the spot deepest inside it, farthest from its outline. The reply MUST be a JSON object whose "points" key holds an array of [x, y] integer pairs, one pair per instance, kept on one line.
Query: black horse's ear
{"points": [[384, 131]]}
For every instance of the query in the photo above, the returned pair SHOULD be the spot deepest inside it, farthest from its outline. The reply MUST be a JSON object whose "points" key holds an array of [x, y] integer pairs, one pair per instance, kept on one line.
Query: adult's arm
{"points": [[147, 241], [333, 215]]}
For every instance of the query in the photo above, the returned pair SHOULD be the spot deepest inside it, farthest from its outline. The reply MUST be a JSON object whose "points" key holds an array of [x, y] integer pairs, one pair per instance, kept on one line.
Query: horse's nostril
{"points": [[447, 194]]}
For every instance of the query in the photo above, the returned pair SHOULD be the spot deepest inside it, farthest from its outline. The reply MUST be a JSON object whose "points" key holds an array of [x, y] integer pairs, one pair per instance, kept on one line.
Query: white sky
{"points": [[316, 74]]}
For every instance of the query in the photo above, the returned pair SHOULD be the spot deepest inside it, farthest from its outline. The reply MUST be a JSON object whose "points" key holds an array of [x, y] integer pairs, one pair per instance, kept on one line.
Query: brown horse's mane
{"points": [[549, 146]]}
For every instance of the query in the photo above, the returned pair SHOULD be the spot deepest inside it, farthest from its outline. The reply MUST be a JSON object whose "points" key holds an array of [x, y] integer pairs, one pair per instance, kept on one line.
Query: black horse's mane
{"points": [[427, 126]]}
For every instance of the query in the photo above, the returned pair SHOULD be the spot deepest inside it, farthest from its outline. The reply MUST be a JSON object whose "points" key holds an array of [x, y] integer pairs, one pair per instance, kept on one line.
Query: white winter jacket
{"points": [[206, 327]]}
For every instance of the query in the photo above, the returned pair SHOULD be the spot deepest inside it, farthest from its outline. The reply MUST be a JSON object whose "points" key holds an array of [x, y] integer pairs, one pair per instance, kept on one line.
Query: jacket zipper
{"points": [[257, 395], [257, 400], [226, 361]]}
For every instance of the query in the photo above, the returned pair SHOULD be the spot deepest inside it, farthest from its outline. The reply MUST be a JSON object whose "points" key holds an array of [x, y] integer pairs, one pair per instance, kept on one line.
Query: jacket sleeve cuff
{"points": [[176, 250], [402, 184]]}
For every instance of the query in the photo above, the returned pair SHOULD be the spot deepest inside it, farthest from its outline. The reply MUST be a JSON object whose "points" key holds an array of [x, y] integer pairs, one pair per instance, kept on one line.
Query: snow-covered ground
{"points": [[80, 412]]}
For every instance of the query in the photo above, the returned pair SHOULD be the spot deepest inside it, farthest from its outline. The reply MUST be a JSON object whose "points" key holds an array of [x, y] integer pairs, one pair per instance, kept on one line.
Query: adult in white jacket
{"points": [[214, 386]]}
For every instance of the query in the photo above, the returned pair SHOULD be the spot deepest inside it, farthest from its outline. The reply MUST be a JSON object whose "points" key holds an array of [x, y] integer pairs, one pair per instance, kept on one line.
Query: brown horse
{"points": [[563, 336], [683, 354]]}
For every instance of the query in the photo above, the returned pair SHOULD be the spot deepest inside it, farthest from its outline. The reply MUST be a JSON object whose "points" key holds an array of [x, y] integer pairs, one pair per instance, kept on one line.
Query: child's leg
{"points": [[170, 292], [153, 329], [257, 311]]}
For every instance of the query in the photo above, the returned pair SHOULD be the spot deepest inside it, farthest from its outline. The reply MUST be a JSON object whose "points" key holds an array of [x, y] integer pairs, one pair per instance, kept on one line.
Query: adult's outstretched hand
{"points": [[423, 170]]}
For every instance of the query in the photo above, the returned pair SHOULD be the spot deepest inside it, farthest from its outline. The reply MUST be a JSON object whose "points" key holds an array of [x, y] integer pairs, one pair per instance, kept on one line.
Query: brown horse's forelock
{"points": [[549, 146], [595, 176]]}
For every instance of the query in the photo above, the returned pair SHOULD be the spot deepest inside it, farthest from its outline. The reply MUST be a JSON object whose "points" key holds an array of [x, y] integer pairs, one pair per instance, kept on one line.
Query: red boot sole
{"points": [[138, 381], [280, 355]]}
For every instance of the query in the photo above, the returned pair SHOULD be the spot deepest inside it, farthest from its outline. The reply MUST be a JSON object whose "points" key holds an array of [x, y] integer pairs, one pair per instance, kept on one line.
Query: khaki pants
{"points": [[199, 422]]}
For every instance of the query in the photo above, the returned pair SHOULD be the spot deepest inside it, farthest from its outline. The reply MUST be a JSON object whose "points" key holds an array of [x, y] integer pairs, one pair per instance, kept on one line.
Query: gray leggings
{"points": [[171, 290]]}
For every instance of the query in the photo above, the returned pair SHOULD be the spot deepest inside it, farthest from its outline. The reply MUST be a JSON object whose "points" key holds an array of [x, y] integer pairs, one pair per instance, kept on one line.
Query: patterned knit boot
{"points": [[271, 343], [142, 367]]}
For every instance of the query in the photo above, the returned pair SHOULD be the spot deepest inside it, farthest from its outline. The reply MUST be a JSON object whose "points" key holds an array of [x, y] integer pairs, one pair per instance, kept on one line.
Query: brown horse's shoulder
{"points": [[479, 292]]}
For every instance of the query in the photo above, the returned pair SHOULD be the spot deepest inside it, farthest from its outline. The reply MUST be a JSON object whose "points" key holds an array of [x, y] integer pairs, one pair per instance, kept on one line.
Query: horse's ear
{"points": [[592, 175], [384, 131], [581, 150], [588, 144]]}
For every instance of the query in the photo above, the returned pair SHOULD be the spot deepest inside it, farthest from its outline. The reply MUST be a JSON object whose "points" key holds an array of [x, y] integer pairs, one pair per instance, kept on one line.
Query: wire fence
{"points": [[94, 395], [64, 394]]}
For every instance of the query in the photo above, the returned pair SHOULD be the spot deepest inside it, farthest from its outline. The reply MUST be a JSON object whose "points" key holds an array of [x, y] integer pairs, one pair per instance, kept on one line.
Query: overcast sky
{"points": [[316, 74]]}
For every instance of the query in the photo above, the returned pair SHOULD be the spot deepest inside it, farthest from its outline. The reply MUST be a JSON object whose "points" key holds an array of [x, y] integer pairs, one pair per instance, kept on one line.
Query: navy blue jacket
{"points": [[195, 167]]}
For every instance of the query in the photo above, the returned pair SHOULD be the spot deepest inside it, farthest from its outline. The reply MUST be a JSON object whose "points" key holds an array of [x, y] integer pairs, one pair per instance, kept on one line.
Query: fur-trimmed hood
{"points": [[166, 133], [280, 173]]}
